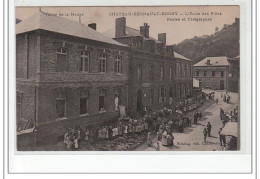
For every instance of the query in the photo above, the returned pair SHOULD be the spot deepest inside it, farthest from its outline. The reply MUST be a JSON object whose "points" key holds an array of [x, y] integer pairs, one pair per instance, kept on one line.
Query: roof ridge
{"points": [[62, 25]]}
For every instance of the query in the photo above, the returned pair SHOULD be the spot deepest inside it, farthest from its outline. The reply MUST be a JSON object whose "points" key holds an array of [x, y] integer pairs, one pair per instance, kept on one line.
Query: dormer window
{"points": [[152, 47]]}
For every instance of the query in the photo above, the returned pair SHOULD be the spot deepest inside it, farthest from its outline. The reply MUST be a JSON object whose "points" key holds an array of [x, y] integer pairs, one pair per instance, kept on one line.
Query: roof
{"points": [[230, 129], [135, 32], [214, 61], [61, 25], [176, 55]]}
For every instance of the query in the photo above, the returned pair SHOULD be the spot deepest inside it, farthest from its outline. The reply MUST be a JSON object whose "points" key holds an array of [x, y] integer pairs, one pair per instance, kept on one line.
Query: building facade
{"points": [[75, 74], [67, 74], [157, 75], [213, 72], [233, 77]]}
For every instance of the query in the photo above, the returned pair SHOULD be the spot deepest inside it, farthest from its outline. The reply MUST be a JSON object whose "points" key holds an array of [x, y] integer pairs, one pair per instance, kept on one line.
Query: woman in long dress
{"points": [[149, 140], [164, 138], [66, 138], [86, 135]]}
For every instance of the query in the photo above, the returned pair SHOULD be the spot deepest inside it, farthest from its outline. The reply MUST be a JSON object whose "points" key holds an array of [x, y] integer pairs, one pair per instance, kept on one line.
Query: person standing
{"points": [[149, 140], [200, 115], [205, 135], [220, 136], [110, 133], [158, 146], [209, 129], [195, 118]]}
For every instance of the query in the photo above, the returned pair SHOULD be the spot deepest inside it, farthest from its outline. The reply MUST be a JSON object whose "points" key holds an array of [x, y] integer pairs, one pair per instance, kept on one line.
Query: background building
{"points": [[233, 77], [157, 74], [213, 72]]}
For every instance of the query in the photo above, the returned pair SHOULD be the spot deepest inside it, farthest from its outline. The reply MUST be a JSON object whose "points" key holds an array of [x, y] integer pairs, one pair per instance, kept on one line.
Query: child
{"points": [[158, 146]]}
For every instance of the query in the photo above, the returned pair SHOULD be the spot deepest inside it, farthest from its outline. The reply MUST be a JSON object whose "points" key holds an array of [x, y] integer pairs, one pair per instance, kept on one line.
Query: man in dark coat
{"points": [[209, 129], [195, 118]]}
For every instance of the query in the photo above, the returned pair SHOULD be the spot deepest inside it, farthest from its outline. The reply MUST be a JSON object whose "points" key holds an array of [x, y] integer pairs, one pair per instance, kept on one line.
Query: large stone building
{"points": [[218, 73], [67, 71], [157, 74]]}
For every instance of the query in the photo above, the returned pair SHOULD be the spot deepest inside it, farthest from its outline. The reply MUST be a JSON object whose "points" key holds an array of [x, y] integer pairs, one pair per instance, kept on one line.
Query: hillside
{"points": [[223, 42]]}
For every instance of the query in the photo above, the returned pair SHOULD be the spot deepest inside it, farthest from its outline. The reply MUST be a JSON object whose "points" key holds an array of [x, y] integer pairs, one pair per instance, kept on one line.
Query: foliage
{"points": [[224, 42]]}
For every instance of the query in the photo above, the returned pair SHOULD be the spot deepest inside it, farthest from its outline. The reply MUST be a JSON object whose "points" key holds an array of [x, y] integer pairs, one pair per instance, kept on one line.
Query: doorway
{"points": [[101, 103], [139, 100], [221, 87]]}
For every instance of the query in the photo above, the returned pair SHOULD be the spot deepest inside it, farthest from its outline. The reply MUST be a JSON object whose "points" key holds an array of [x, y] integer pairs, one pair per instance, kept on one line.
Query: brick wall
{"points": [[28, 100], [47, 100]]}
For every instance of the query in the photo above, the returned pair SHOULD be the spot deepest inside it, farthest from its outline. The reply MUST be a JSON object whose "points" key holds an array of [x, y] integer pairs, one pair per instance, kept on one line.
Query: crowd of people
{"points": [[163, 122], [225, 117]]}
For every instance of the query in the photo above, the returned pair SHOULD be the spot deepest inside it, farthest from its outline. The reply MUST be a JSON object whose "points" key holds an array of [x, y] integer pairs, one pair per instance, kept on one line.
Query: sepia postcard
{"points": [[129, 78]]}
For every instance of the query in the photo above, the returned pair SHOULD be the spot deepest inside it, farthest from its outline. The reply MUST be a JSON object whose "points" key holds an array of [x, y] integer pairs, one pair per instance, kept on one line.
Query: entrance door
{"points": [[221, 87], [101, 103], [139, 100]]}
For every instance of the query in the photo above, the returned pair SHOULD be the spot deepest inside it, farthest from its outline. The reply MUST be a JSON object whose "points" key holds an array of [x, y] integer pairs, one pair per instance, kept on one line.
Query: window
{"points": [[170, 92], [190, 71], [116, 102], [83, 102], [151, 72], [101, 99], [152, 47], [197, 73], [213, 73], [118, 64], [171, 74], [162, 94], [222, 73], [205, 73], [84, 61], [61, 60], [139, 72], [175, 69], [152, 96], [60, 108], [102, 63], [19, 99], [180, 67], [185, 70], [162, 73]]}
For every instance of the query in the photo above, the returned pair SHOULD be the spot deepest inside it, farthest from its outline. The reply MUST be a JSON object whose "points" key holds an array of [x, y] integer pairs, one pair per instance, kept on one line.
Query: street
{"points": [[192, 138]]}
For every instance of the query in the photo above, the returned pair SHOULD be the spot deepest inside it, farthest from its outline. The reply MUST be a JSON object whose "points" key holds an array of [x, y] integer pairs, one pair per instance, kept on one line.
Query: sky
{"points": [[172, 20]]}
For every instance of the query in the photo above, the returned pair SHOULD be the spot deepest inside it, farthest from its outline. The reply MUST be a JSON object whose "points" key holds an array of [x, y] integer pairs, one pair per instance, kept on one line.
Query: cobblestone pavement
{"points": [[192, 137]]}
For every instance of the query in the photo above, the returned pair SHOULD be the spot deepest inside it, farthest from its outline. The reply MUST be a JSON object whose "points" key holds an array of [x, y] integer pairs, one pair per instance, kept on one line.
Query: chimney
{"points": [[208, 62], [120, 27], [162, 37], [93, 26], [144, 30]]}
